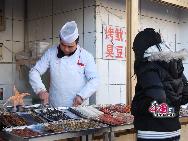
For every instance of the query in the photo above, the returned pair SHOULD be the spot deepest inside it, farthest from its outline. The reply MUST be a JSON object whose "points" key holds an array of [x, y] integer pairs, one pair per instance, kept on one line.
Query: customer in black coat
{"points": [[160, 90]]}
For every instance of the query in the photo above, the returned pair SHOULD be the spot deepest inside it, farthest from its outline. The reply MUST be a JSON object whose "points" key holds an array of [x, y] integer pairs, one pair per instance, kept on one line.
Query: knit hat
{"points": [[145, 39]]}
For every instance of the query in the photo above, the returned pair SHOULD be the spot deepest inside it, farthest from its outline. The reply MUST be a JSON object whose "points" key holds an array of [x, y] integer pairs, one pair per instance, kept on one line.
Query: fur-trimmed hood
{"points": [[168, 56]]}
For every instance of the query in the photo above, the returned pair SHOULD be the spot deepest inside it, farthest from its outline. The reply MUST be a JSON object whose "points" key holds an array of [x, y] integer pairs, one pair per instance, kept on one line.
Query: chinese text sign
{"points": [[114, 42]]}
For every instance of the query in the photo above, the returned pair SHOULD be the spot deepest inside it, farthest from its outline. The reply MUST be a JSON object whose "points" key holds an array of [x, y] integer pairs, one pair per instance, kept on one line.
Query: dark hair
{"points": [[77, 40]]}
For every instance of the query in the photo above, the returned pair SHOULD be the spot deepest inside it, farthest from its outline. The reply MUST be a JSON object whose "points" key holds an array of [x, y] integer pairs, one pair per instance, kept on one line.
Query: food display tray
{"points": [[47, 136], [31, 118], [66, 114]]}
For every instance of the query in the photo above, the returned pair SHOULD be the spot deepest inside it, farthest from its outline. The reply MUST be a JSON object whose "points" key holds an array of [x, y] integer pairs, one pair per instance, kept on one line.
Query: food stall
{"points": [[44, 122], [36, 123], [28, 25]]}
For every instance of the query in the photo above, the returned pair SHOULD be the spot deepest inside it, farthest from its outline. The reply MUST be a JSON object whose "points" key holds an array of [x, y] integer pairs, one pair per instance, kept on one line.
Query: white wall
{"points": [[112, 72], [45, 27], [47, 18], [13, 40], [183, 41], [162, 18], [170, 21]]}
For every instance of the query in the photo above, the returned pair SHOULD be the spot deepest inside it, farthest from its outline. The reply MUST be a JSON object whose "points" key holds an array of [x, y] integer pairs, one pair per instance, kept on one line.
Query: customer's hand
{"points": [[78, 100], [43, 95]]}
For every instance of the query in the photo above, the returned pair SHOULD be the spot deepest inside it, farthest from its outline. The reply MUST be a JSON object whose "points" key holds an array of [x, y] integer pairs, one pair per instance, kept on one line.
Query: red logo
{"points": [[80, 64], [161, 110]]}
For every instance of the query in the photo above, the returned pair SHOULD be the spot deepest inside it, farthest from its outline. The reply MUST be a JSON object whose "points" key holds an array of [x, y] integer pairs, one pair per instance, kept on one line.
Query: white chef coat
{"points": [[67, 77]]}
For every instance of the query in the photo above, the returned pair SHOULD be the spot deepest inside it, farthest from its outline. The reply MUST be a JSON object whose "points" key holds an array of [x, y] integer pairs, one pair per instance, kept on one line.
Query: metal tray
{"points": [[41, 112], [31, 118], [50, 135], [12, 119], [70, 114], [37, 128], [88, 112], [66, 113], [71, 109], [40, 128]]}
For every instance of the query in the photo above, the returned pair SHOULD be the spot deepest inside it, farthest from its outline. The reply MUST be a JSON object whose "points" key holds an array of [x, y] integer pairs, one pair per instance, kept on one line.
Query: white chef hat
{"points": [[69, 32]]}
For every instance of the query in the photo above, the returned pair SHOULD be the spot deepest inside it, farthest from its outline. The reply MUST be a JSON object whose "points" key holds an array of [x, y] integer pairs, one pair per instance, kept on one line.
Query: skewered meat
{"points": [[26, 132], [54, 128], [11, 119], [108, 119], [116, 114], [116, 108]]}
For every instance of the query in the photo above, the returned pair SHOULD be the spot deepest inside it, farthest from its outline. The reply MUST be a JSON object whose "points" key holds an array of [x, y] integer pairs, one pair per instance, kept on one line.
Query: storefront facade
{"points": [[29, 22]]}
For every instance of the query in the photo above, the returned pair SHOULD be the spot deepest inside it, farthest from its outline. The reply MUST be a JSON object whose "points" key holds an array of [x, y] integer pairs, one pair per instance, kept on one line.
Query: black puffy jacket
{"points": [[163, 82]]}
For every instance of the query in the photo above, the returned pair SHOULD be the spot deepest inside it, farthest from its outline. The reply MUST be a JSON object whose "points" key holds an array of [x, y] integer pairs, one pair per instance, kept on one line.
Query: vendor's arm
{"points": [[92, 78], [37, 71]]}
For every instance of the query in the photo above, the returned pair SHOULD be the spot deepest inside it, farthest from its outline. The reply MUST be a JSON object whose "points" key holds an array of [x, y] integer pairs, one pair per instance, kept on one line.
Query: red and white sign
{"points": [[114, 42]]}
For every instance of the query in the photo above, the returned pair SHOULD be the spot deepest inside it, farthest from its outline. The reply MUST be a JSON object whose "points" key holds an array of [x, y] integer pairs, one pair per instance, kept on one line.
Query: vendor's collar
{"points": [[61, 54]]}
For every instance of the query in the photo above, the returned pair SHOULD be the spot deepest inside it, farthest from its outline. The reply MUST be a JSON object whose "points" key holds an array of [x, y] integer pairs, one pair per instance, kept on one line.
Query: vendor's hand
{"points": [[43, 95], [78, 100]]}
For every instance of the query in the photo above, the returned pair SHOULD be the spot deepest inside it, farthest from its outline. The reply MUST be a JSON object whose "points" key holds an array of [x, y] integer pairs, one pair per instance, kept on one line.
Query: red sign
{"points": [[114, 42]]}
